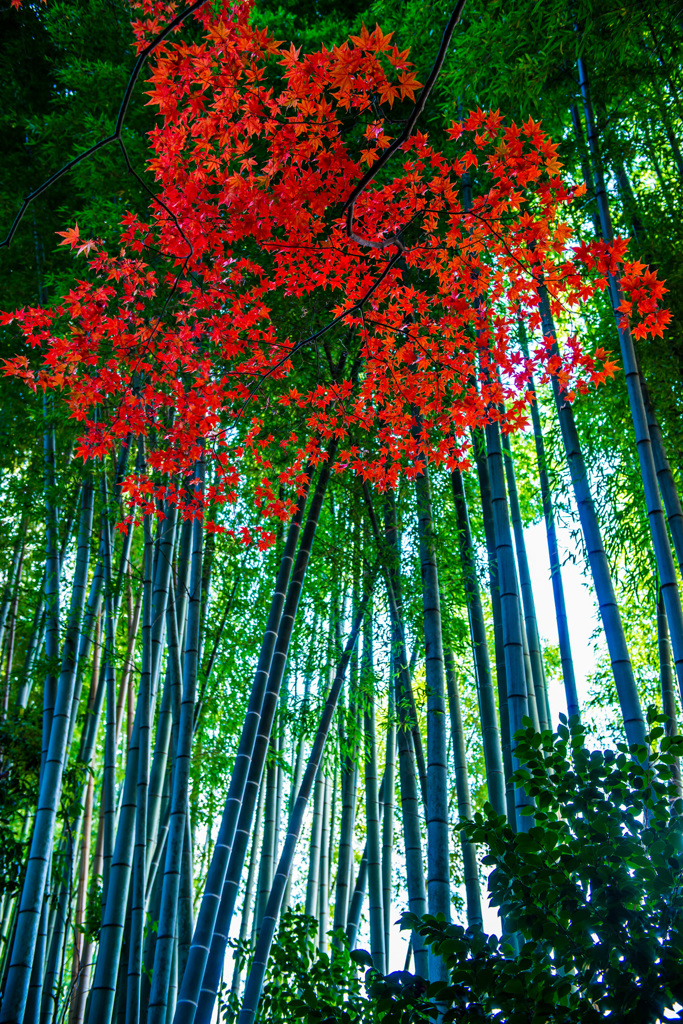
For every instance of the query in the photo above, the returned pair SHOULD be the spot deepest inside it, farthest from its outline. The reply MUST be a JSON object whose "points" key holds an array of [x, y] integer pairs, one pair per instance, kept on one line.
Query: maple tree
{"points": [[416, 303]]}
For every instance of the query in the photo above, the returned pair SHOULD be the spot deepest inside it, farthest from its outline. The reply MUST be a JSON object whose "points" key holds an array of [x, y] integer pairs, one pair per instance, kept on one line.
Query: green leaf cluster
{"points": [[590, 895]]}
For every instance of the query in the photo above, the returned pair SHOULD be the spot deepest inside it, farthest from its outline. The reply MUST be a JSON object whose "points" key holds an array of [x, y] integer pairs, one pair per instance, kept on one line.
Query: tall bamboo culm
{"points": [[622, 669], [190, 985], [660, 538]]}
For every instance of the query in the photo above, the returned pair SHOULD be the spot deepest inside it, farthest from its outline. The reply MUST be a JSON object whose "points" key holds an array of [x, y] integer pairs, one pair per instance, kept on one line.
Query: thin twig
{"points": [[398, 142], [116, 134]]}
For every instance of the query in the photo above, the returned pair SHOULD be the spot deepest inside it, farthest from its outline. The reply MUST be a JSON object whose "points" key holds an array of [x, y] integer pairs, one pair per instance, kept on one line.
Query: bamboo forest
{"points": [[341, 453]]}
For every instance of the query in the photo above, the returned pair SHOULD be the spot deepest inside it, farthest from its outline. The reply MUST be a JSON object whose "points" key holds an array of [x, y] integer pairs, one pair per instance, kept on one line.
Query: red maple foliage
{"points": [[246, 315]]}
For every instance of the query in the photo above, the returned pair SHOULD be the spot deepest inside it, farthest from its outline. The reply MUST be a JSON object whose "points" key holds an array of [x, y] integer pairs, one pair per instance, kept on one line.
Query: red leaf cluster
{"points": [[244, 317]]}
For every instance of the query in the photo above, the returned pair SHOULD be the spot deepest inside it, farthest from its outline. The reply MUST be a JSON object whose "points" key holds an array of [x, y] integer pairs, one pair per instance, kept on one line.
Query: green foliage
{"points": [[591, 898], [304, 984], [591, 895], [20, 745]]}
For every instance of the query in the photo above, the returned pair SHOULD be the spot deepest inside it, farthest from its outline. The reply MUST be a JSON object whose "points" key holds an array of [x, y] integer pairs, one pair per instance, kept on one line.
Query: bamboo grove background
{"points": [[166, 693]]}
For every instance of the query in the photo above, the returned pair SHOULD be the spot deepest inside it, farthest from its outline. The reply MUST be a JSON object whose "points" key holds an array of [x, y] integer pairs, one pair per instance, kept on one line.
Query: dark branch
{"points": [[116, 135], [405, 134]]}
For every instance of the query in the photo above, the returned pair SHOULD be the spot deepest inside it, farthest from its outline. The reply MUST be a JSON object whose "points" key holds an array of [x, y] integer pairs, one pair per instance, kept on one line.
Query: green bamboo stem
{"points": [[248, 892], [57, 929], [268, 708], [515, 676], [155, 881], [13, 576], [185, 925], [324, 870], [163, 559], [266, 866], [169, 710], [8, 617], [312, 882], [299, 760], [372, 803], [438, 840], [655, 513], [332, 843], [52, 574], [36, 878], [190, 985], [622, 669], [412, 840], [533, 640], [667, 685], [462, 787], [32, 1009], [665, 478], [108, 689], [388, 816], [356, 903], [405, 700], [128, 665], [349, 786], [261, 954], [137, 918], [104, 986], [79, 942], [166, 943], [530, 692], [407, 760], [495, 778], [566, 659], [80, 992], [484, 480]]}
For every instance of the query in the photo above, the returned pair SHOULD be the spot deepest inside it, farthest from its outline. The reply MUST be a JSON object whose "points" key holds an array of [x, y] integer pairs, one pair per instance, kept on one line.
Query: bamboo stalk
{"points": [[665, 478], [185, 925], [312, 884], [266, 866], [127, 671], [13, 576], [405, 700], [415, 879], [139, 879], [37, 870], [622, 669], [462, 787], [168, 717], [80, 994], [166, 943], [484, 480], [52, 574], [190, 985], [495, 778], [566, 659], [408, 761], [349, 781], [371, 803], [438, 845], [324, 871], [248, 892], [666, 679], [388, 815], [269, 706], [515, 676], [256, 974], [655, 513], [12, 626], [530, 621]]}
